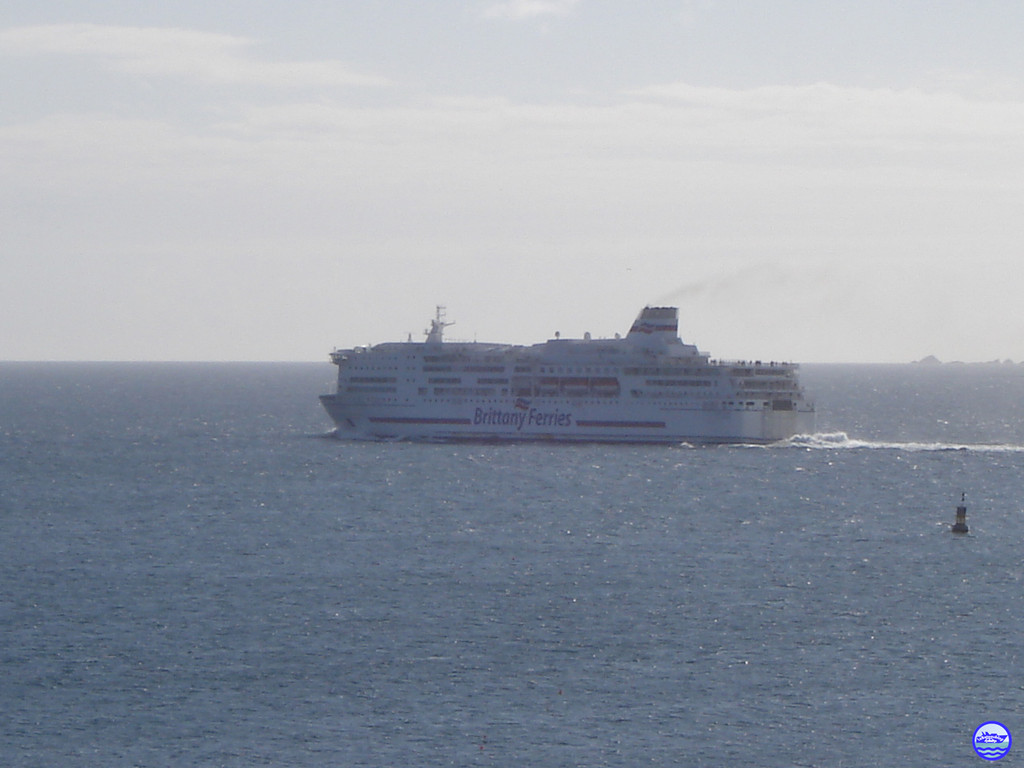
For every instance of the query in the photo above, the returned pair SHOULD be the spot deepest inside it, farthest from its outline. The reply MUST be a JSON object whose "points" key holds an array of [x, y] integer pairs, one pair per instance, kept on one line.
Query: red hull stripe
{"points": [[624, 424], [417, 420]]}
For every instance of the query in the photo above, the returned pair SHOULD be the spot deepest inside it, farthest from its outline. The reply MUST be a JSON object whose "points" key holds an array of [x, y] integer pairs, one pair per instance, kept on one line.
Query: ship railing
{"points": [[338, 356], [757, 367]]}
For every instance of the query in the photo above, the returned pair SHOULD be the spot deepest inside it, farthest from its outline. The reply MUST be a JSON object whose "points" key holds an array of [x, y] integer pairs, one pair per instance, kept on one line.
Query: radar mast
{"points": [[435, 335]]}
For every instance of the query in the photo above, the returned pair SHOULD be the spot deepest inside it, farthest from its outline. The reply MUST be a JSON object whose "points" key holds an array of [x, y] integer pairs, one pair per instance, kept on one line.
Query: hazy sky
{"points": [[264, 180]]}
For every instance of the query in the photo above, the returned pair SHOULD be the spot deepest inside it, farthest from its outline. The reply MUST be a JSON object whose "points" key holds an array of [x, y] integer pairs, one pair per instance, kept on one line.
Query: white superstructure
{"points": [[646, 387]]}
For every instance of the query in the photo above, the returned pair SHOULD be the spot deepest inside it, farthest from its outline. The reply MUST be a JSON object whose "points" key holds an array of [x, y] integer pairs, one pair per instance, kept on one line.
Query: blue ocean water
{"points": [[191, 573]]}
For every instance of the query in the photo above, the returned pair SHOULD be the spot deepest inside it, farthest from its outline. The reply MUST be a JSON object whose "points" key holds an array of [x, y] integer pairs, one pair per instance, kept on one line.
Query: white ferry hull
{"points": [[564, 421]]}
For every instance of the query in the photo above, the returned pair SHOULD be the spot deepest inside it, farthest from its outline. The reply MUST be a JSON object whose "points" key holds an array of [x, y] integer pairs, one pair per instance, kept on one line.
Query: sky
{"points": [[808, 180]]}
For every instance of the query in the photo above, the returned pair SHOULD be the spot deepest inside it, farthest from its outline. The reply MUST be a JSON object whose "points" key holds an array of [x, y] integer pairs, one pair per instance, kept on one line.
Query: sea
{"points": [[194, 572]]}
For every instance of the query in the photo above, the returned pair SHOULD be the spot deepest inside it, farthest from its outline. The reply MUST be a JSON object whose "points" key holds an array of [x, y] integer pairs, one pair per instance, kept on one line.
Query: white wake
{"points": [[840, 440]]}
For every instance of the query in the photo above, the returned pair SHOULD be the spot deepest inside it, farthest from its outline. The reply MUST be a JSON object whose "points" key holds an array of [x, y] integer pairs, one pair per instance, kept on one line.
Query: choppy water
{"points": [[190, 574]]}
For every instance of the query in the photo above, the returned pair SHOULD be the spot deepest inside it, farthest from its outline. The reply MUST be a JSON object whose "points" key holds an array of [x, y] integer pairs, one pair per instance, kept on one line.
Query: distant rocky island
{"points": [[933, 360]]}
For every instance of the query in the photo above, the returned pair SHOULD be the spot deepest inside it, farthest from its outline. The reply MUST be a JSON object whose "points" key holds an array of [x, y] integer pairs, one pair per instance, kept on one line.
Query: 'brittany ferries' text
{"points": [[519, 419]]}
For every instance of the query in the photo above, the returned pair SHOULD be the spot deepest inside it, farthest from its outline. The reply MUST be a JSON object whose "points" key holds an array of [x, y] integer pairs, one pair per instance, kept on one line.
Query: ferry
{"points": [[646, 387]]}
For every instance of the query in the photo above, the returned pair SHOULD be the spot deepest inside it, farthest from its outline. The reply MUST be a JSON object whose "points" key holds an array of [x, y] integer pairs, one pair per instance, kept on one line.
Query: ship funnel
{"points": [[656, 323]]}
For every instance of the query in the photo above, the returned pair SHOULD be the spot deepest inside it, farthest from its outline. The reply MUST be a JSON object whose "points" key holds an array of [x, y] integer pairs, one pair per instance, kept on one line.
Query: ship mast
{"points": [[435, 335]]}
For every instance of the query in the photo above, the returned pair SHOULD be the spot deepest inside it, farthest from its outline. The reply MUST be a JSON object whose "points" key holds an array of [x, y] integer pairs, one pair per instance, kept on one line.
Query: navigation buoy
{"points": [[960, 526]]}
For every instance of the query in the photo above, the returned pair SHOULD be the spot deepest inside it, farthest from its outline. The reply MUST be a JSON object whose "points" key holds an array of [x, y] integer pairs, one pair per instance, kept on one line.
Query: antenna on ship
{"points": [[435, 335]]}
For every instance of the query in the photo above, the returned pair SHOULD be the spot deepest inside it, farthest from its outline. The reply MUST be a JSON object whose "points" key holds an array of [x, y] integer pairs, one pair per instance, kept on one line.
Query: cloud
{"points": [[825, 123], [721, 199], [528, 9], [210, 57]]}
